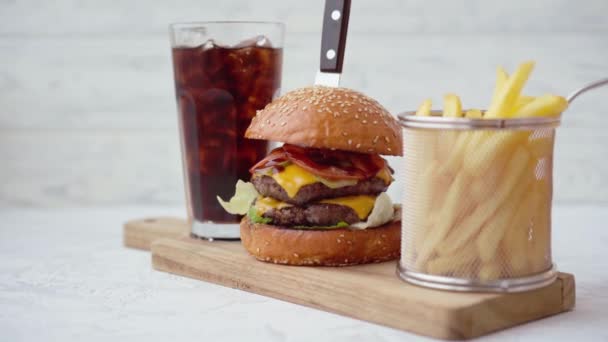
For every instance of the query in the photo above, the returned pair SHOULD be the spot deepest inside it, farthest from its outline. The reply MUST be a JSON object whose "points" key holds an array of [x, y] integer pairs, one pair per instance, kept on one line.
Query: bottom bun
{"points": [[335, 247]]}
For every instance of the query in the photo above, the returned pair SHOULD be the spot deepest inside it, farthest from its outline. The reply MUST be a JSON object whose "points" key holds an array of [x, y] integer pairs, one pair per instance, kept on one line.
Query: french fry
{"points": [[489, 271], [485, 147], [456, 152], [541, 143], [443, 265], [449, 212], [426, 194], [484, 196], [505, 100], [452, 107], [522, 101], [425, 108], [473, 114], [482, 188], [421, 233], [515, 240], [494, 229], [506, 93], [493, 144], [501, 80], [516, 168], [540, 255], [546, 105]]}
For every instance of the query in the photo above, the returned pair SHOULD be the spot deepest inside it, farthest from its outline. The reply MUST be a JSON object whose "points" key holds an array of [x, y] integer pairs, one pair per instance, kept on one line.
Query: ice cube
{"points": [[261, 41], [192, 37], [210, 44]]}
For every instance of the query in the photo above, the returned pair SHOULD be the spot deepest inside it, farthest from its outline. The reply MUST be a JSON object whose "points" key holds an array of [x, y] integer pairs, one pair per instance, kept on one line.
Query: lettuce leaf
{"points": [[256, 218], [244, 194]]}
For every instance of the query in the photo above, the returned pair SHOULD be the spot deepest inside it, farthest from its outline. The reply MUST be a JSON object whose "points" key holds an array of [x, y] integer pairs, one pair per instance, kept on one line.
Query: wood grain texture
{"points": [[141, 233], [368, 292], [371, 292]]}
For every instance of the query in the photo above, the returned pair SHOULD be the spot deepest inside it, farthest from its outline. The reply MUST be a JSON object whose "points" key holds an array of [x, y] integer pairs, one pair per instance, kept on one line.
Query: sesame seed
{"points": [[344, 134], [375, 122], [341, 235], [349, 242], [304, 108], [358, 145], [356, 116], [296, 255], [375, 139], [257, 249], [370, 150], [350, 142], [387, 139], [364, 122], [339, 241], [283, 123], [389, 149]]}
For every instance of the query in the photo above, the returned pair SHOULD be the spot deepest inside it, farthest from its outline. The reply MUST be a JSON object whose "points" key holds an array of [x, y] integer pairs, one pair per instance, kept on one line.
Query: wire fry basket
{"points": [[477, 203]]}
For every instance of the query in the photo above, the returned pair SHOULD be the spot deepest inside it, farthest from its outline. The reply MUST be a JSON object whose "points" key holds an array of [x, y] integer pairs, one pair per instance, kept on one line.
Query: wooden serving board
{"points": [[369, 292]]}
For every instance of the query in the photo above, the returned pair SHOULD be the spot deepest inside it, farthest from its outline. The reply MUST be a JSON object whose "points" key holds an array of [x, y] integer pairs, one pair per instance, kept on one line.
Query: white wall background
{"points": [[87, 111]]}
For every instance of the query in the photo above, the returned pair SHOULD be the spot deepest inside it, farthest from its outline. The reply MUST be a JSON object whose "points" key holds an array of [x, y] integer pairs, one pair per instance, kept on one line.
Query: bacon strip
{"points": [[323, 162]]}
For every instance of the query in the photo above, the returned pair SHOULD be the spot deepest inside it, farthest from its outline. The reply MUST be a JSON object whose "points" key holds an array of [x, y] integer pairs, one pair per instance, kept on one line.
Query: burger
{"points": [[320, 198]]}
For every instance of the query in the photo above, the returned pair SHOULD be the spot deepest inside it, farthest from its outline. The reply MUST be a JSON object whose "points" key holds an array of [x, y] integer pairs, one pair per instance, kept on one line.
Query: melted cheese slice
{"points": [[361, 204], [263, 204], [293, 177]]}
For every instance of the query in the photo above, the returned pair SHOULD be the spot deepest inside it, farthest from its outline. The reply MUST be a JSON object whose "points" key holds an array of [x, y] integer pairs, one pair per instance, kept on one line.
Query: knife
{"points": [[333, 42]]}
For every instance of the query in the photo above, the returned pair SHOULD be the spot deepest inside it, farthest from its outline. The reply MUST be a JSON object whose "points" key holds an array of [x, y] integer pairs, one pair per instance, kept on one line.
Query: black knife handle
{"points": [[333, 37]]}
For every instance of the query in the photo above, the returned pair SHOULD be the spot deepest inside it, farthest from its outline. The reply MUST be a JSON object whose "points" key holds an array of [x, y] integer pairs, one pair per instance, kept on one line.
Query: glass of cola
{"points": [[224, 72]]}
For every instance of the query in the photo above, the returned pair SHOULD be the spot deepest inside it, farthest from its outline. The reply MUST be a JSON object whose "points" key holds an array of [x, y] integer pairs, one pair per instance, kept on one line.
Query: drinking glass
{"points": [[224, 72]]}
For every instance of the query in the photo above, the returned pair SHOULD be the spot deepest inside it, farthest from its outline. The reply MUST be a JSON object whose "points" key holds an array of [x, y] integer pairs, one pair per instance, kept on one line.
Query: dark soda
{"points": [[218, 91]]}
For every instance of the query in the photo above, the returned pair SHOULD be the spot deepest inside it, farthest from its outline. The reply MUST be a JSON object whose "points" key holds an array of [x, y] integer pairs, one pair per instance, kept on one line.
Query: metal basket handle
{"points": [[586, 88]]}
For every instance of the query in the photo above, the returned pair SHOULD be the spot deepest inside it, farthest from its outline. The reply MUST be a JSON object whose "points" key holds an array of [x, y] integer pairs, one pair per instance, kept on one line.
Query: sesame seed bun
{"points": [[328, 117], [334, 247]]}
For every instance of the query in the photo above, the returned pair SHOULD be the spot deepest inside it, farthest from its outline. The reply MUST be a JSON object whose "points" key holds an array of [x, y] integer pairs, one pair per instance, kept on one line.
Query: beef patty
{"points": [[316, 214], [268, 187]]}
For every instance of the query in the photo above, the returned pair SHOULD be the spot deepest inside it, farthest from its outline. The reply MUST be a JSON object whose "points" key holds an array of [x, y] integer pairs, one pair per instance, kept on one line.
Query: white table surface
{"points": [[65, 275]]}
